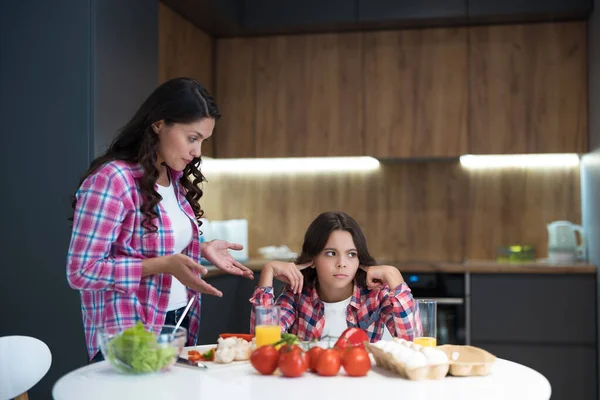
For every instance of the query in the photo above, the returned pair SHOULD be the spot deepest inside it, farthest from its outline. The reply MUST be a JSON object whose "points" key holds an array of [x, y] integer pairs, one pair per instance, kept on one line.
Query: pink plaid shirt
{"points": [[303, 314], [108, 244]]}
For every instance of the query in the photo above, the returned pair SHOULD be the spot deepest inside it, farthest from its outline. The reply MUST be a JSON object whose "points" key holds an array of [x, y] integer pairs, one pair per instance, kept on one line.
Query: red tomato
{"points": [[265, 359], [313, 355], [293, 363], [356, 362], [352, 337], [286, 348], [329, 363]]}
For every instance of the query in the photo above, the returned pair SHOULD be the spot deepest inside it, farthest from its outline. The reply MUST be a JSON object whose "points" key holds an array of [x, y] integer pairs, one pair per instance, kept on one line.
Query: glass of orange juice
{"points": [[266, 328], [426, 328]]}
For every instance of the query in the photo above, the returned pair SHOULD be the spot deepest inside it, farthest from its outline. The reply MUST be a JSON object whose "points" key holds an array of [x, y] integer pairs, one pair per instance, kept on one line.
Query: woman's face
{"points": [[337, 263], [179, 144]]}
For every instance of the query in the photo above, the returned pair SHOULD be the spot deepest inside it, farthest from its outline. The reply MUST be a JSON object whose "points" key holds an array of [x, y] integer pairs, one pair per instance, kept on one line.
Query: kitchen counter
{"points": [[472, 266]]}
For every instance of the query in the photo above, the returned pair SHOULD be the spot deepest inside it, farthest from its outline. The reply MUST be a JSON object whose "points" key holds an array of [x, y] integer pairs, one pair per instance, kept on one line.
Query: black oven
{"points": [[450, 291]]}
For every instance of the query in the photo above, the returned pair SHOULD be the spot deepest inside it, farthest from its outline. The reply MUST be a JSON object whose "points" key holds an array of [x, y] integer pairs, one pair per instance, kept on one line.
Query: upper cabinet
{"points": [[416, 93], [235, 133], [493, 11], [411, 12], [384, 94], [309, 96], [290, 96], [528, 88]]}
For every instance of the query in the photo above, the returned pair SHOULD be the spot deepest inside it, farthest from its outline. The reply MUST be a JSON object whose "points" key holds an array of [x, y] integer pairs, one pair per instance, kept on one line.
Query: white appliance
{"points": [[563, 242]]}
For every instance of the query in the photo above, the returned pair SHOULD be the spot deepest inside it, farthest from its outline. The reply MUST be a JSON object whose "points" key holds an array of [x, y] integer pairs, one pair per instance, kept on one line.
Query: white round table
{"points": [[240, 381]]}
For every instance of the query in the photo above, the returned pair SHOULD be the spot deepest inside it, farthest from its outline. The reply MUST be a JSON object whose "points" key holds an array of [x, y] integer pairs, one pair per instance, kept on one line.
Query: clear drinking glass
{"points": [[266, 328], [426, 323]]}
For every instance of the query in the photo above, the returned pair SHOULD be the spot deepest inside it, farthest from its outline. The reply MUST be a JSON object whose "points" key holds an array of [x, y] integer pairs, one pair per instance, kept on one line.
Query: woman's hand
{"points": [[186, 271], [216, 253], [285, 272], [379, 275]]}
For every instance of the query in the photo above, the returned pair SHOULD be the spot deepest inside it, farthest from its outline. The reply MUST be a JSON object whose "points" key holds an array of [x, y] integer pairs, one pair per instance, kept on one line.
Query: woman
{"points": [[135, 245]]}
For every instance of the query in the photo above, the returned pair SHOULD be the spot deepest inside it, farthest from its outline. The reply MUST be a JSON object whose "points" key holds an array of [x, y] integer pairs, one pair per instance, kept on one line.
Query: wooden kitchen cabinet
{"points": [[290, 96], [416, 93], [235, 133], [528, 88]]}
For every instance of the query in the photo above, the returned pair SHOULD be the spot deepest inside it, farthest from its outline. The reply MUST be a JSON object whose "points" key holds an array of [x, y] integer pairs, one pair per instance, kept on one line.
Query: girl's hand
{"points": [[285, 272], [379, 275]]}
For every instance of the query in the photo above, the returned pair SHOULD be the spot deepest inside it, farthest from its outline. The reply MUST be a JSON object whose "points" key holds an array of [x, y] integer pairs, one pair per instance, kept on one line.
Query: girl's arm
{"points": [[398, 310], [397, 305], [263, 296]]}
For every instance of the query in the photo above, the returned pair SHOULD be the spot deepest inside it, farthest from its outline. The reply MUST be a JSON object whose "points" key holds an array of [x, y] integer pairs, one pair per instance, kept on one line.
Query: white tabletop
{"points": [[240, 381]]}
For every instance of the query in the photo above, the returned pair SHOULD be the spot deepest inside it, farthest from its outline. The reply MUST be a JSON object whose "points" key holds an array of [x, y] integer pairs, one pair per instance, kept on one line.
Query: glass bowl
{"points": [[138, 349]]}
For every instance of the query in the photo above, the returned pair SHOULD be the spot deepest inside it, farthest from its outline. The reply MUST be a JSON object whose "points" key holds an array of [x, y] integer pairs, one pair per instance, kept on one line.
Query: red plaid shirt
{"points": [[107, 247], [371, 310]]}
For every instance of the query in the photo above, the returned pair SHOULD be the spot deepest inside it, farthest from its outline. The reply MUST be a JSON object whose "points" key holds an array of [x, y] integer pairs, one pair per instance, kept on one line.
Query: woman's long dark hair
{"points": [[316, 237], [179, 100]]}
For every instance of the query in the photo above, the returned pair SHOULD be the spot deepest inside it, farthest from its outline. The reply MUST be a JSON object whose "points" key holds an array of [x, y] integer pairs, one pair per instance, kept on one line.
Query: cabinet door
{"points": [[235, 133], [528, 88], [538, 308], [532, 9], [217, 314], [571, 370], [309, 95], [230, 313], [269, 15], [416, 93], [409, 10]]}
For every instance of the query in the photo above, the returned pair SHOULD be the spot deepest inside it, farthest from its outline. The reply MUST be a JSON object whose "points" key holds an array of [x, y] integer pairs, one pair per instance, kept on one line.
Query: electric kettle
{"points": [[563, 245]]}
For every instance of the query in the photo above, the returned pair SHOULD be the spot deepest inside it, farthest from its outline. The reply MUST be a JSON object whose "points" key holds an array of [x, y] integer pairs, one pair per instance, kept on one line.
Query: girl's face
{"points": [[338, 262], [179, 144]]}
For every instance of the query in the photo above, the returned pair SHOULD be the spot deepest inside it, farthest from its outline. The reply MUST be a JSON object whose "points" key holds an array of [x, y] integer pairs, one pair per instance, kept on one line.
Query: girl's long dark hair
{"points": [[316, 237], [179, 100]]}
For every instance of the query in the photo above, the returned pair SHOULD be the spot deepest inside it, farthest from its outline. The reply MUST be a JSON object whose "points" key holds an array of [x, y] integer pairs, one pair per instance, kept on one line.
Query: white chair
{"points": [[24, 361]]}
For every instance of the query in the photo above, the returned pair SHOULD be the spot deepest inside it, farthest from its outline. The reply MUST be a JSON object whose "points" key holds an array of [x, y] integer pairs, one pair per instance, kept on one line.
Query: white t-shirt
{"points": [[335, 319], [182, 230]]}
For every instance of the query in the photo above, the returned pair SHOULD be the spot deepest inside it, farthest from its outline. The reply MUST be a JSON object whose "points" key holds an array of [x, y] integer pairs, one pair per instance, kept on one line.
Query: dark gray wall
{"points": [[126, 63], [61, 73], [590, 166]]}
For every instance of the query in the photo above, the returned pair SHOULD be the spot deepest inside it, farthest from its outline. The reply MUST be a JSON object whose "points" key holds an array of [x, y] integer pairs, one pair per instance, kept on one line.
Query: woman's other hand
{"points": [[216, 253]]}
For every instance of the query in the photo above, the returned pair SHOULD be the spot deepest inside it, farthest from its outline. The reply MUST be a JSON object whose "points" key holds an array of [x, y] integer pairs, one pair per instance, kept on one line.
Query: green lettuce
{"points": [[139, 349]]}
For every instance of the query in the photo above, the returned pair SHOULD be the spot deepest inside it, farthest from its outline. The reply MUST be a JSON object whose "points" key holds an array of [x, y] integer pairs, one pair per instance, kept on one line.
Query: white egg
{"points": [[435, 356], [416, 360]]}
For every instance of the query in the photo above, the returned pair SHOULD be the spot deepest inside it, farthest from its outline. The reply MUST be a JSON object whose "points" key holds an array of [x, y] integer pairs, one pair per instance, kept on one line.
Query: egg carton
{"points": [[468, 360], [388, 362]]}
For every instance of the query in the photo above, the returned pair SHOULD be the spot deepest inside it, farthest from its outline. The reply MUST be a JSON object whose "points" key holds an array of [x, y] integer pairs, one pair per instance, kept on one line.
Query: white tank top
{"points": [[182, 230]]}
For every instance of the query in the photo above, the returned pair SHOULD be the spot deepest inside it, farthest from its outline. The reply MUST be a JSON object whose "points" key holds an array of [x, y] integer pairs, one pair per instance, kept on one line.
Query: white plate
{"points": [[210, 364]]}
